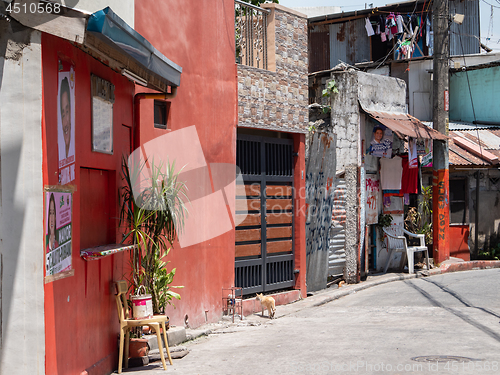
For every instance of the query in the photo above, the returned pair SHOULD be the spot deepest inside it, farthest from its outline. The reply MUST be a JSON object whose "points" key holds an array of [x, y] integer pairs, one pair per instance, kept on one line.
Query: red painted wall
{"points": [[81, 322], [459, 242], [300, 213], [198, 36]]}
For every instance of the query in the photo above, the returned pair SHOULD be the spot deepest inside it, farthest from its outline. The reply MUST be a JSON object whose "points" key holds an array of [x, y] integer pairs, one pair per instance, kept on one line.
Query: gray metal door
{"points": [[264, 247]]}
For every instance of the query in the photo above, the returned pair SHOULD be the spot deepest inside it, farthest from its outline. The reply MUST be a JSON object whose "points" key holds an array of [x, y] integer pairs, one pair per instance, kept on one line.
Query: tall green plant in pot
{"points": [[153, 209]]}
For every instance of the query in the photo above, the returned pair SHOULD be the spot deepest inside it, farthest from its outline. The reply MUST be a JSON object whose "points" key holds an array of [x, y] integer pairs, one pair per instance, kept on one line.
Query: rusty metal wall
{"points": [[470, 27], [349, 42], [338, 43], [319, 48]]}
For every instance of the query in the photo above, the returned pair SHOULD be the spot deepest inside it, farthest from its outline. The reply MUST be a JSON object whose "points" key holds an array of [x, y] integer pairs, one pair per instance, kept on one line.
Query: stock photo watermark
{"points": [[325, 367], [211, 188]]}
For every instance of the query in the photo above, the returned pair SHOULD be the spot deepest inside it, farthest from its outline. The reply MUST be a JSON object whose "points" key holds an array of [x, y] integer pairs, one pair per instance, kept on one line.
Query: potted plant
{"points": [[153, 209], [419, 220]]}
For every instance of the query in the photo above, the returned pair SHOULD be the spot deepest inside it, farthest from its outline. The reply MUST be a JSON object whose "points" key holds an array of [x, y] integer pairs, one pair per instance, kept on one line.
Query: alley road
{"points": [[445, 324]]}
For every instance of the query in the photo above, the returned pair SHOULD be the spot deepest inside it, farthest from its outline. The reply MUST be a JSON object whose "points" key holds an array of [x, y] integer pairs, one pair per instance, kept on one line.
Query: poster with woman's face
{"points": [[58, 232], [381, 142], [66, 122]]}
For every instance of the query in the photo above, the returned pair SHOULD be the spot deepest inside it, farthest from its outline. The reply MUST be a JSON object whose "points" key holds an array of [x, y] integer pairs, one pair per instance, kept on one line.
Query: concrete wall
{"points": [[22, 344], [277, 99], [485, 93], [489, 209], [372, 92], [123, 8], [318, 11], [346, 124], [420, 90]]}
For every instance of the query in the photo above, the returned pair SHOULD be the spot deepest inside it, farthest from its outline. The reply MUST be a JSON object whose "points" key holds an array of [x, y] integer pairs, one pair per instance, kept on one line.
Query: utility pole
{"points": [[440, 162]]}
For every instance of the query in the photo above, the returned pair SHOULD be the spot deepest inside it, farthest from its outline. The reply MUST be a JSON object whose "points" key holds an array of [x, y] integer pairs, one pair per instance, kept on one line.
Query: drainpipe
{"points": [[137, 101]]}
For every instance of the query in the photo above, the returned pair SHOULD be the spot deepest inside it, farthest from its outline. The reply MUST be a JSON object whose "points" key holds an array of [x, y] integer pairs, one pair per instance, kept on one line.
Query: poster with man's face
{"points": [[66, 122], [381, 142]]}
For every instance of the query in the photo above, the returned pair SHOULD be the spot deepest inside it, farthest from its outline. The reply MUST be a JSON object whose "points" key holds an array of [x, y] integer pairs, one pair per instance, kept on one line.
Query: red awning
{"points": [[406, 125]]}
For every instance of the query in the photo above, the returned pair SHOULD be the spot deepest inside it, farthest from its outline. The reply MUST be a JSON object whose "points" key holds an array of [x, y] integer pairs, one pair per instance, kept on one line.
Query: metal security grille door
{"points": [[264, 247]]}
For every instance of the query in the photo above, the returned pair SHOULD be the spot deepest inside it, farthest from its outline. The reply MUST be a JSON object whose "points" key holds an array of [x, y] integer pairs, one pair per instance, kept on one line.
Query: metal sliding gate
{"points": [[264, 247]]}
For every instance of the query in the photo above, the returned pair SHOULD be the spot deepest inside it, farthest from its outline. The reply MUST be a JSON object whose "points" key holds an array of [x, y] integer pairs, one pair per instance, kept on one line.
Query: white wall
{"points": [[318, 11], [21, 207], [123, 8], [420, 90]]}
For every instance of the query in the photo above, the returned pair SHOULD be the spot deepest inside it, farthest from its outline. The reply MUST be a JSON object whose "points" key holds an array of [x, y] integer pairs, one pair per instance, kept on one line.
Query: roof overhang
{"points": [[110, 35], [108, 38], [404, 125]]}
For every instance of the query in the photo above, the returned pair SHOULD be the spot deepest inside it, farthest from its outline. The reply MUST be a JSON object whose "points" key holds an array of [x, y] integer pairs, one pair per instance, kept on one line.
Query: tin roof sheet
{"points": [[405, 125]]}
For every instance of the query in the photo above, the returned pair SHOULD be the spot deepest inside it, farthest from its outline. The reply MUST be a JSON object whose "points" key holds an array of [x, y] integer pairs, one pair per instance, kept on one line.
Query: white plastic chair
{"points": [[397, 242]]}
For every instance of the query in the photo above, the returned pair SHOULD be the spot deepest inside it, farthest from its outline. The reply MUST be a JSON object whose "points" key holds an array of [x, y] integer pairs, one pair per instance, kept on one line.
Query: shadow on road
{"points": [[459, 314]]}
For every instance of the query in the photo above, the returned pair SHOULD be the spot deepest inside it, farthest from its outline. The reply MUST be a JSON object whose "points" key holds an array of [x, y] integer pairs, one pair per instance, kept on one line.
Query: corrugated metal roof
{"points": [[462, 125], [405, 125], [488, 144]]}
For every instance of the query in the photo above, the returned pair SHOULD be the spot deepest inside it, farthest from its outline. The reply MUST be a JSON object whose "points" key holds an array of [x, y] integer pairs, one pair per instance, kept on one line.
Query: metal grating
{"points": [[266, 262], [279, 159], [248, 157], [248, 277], [279, 272]]}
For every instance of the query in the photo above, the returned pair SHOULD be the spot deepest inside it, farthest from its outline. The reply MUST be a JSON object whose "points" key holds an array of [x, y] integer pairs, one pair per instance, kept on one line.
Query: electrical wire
{"points": [[494, 6]]}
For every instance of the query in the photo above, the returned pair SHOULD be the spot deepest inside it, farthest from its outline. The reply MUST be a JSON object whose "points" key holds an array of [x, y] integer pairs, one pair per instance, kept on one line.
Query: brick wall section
{"points": [[278, 100]]}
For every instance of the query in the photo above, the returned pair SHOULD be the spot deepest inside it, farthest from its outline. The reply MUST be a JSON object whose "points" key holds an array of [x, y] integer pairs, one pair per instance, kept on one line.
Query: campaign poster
{"points": [[381, 142], [427, 156], [58, 235], [372, 199], [66, 122]]}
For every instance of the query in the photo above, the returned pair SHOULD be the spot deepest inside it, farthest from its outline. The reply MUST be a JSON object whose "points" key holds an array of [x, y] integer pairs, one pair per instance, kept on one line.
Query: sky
{"points": [[485, 9]]}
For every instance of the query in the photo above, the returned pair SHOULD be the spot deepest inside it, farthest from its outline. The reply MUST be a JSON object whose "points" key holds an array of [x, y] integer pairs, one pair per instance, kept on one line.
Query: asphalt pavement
{"points": [[443, 324]]}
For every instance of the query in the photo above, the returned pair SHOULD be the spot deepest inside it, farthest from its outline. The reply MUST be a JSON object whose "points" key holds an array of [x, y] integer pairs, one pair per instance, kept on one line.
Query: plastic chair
{"points": [[397, 242], [155, 323]]}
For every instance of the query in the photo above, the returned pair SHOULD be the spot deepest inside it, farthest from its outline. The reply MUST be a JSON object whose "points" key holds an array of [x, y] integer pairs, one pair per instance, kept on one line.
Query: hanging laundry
{"points": [[383, 36], [369, 27], [381, 21], [391, 171], [414, 21], [409, 179], [406, 197], [399, 23], [427, 31], [390, 23]]}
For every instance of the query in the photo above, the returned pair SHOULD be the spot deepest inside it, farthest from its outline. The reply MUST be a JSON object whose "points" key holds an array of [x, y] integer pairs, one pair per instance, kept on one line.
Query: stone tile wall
{"points": [[278, 100]]}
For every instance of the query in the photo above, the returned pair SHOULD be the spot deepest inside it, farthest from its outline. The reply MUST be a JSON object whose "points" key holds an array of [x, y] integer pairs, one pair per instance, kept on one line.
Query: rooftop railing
{"points": [[250, 34]]}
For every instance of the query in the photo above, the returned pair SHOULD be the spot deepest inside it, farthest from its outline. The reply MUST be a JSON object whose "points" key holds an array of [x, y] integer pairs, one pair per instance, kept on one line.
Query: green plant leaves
{"points": [[153, 217]]}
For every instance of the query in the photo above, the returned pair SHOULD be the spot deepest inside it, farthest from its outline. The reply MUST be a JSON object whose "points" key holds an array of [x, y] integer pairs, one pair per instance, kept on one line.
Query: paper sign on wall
{"points": [[372, 197]]}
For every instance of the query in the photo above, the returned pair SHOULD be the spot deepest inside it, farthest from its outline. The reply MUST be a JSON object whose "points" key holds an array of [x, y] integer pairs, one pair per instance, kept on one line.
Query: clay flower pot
{"points": [[138, 348]]}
